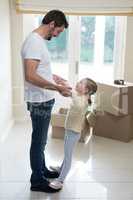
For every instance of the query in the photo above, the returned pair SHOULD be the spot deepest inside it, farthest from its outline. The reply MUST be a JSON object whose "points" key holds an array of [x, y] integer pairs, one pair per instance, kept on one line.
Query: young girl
{"points": [[81, 99]]}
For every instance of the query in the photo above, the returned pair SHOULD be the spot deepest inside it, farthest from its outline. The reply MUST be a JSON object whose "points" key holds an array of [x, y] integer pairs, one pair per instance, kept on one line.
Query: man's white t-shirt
{"points": [[34, 47]]}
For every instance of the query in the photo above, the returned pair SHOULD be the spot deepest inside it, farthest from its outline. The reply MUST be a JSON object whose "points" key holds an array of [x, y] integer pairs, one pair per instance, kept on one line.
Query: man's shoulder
{"points": [[32, 41], [33, 37]]}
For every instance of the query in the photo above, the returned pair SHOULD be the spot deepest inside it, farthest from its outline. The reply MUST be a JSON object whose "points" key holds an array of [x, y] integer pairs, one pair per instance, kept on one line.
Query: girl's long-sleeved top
{"points": [[76, 113]]}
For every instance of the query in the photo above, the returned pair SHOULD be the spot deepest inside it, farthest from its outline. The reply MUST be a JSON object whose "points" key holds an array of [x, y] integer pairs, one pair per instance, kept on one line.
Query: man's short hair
{"points": [[57, 16]]}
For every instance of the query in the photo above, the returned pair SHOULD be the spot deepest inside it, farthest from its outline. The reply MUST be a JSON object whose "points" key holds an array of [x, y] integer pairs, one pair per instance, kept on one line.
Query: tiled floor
{"points": [[102, 169]]}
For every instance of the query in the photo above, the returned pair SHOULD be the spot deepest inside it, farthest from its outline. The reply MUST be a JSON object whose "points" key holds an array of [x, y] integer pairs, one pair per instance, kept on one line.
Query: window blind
{"points": [[77, 7]]}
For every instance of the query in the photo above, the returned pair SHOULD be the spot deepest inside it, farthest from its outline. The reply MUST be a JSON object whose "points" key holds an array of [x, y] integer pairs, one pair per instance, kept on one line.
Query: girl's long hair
{"points": [[92, 87]]}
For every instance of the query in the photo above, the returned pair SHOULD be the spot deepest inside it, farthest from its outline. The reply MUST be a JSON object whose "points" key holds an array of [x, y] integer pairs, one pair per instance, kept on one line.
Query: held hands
{"points": [[60, 81], [63, 86], [65, 91]]}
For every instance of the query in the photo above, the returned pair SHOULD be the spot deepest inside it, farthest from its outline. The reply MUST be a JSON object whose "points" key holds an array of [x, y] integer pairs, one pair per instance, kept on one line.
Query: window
{"points": [[87, 48], [87, 39], [88, 27], [97, 47], [109, 39]]}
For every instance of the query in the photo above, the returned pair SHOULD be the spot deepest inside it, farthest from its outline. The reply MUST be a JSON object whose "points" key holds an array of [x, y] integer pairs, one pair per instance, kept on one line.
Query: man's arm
{"points": [[32, 77], [60, 80]]}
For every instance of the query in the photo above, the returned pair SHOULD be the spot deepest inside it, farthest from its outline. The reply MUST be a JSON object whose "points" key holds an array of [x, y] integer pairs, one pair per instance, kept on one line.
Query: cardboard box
{"points": [[115, 127], [58, 132], [58, 119], [115, 99], [107, 125]]}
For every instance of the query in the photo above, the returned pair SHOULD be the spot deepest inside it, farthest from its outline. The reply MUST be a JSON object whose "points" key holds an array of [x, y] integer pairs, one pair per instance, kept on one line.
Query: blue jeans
{"points": [[40, 114]]}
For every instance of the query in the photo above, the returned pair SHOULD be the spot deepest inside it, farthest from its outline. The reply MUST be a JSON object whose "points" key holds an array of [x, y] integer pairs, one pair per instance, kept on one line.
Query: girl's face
{"points": [[81, 87]]}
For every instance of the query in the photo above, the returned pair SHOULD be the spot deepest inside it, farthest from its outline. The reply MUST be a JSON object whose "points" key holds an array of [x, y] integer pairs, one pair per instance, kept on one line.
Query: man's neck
{"points": [[42, 30]]}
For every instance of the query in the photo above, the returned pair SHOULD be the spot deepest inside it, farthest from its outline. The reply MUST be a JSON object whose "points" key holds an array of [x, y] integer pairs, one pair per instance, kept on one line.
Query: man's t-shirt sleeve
{"points": [[33, 49]]}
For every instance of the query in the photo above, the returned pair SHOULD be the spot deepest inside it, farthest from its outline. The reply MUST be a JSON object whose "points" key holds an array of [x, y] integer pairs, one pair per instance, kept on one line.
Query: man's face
{"points": [[54, 31]]}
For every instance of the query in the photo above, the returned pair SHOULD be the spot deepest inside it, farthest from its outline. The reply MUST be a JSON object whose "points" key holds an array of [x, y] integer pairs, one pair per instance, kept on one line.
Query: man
{"points": [[39, 85]]}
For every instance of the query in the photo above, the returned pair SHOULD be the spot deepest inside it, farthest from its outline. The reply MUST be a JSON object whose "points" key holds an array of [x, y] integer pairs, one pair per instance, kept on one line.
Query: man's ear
{"points": [[52, 24]]}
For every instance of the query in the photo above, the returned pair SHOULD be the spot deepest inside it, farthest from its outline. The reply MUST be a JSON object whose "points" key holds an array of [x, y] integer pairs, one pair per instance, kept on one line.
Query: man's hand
{"points": [[60, 81], [66, 94], [64, 90], [58, 78]]}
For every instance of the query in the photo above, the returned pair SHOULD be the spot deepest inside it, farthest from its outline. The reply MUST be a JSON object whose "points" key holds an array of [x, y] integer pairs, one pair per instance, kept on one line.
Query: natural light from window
{"points": [[89, 47]]}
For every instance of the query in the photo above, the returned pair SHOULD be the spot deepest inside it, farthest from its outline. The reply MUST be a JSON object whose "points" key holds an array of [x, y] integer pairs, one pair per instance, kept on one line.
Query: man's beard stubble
{"points": [[49, 38]]}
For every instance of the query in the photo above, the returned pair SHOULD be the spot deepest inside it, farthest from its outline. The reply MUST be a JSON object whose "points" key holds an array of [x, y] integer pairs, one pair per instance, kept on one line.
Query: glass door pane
{"points": [[97, 37], [109, 39], [87, 39]]}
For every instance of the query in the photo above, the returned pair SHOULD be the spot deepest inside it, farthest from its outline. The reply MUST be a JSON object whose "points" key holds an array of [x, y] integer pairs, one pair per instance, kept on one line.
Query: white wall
{"points": [[5, 69], [19, 107]]}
